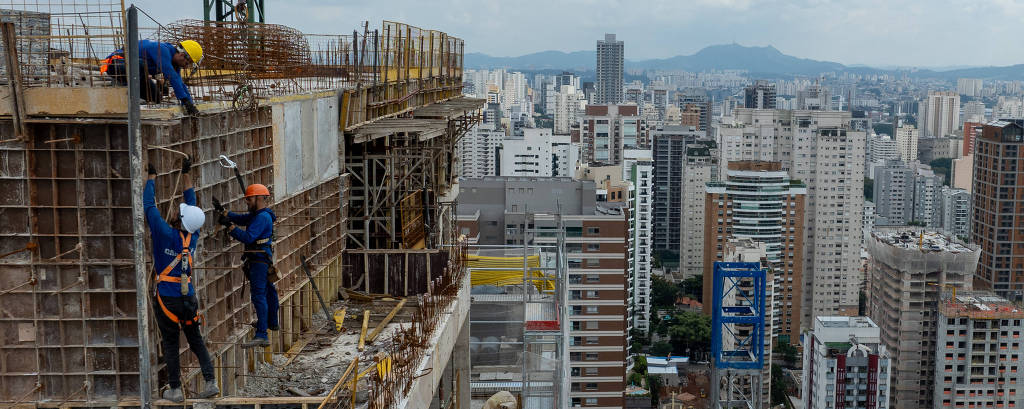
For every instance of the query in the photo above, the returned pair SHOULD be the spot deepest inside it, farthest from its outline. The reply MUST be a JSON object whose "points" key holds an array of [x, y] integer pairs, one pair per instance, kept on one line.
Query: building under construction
{"points": [[354, 135]]}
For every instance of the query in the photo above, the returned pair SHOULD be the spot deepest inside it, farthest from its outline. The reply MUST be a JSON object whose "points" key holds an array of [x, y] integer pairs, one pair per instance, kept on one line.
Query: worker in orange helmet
{"points": [[258, 259]]}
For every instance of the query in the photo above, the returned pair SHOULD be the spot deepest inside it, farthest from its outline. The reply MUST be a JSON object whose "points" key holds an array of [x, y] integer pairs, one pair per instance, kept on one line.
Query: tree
{"points": [[640, 366], [780, 386], [661, 348], [636, 379], [787, 352], [869, 189], [690, 333], [663, 293], [654, 385], [693, 287]]}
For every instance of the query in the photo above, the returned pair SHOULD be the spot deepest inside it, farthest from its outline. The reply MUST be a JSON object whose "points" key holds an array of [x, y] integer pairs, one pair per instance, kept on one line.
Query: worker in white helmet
{"points": [[174, 297]]}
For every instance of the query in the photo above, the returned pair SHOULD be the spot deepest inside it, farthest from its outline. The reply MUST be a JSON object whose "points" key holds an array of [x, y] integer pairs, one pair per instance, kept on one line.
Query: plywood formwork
{"points": [[68, 313]]}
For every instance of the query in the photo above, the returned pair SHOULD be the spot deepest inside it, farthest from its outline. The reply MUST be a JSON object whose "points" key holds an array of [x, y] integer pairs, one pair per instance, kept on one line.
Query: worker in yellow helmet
{"points": [[159, 58]]}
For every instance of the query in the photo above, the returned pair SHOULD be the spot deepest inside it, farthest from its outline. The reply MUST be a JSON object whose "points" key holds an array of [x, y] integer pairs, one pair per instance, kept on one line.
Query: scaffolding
{"points": [[74, 313], [737, 335], [518, 339]]}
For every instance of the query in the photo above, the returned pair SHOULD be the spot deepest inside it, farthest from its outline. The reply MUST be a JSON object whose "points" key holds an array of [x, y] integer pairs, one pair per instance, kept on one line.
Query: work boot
{"points": [[174, 395], [269, 327], [210, 390], [256, 342]]}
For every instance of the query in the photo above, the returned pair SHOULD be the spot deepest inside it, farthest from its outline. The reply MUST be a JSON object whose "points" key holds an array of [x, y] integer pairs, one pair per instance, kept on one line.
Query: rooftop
{"points": [[980, 306], [923, 240], [846, 322]]}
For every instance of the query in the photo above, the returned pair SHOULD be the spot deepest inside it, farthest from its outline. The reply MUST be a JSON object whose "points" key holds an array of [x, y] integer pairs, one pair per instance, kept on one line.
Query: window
{"points": [[593, 231], [593, 262], [591, 386], [590, 402], [591, 356], [591, 371], [593, 247], [593, 340], [592, 309], [591, 324]]}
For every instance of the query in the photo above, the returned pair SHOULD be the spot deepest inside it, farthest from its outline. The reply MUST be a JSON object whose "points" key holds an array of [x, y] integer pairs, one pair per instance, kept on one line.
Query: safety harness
{"points": [[110, 60], [185, 259]]}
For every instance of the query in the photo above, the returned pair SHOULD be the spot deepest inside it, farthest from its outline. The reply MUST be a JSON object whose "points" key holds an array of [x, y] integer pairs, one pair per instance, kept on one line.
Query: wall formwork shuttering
{"points": [[69, 329]]}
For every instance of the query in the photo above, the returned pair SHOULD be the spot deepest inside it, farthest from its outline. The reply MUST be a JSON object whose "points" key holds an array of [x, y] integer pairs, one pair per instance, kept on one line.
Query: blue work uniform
{"points": [[154, 58], [174, 312], [259, 255]]}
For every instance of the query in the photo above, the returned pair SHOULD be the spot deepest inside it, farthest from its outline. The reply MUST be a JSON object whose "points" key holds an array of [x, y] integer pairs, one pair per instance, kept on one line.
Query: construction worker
{"points": [[159, 58], [258, 238], [175, 302]]}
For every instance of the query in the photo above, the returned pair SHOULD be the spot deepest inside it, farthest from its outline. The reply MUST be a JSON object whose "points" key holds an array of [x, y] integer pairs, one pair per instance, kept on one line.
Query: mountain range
{"points": [[765, 61]]}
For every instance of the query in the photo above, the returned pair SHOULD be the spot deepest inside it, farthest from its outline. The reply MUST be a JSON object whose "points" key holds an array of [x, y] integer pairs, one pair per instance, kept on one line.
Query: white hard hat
{"points": [[192, 218]]}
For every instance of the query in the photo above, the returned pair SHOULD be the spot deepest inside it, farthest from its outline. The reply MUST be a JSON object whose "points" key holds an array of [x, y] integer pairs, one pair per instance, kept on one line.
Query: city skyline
{"points": [[873, 33]]}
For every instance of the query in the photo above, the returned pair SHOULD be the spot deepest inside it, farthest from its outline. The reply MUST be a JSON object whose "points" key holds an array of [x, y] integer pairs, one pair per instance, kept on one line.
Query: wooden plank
{"points": [[330, 395], [362, 334], [14, 79], [380, 327]]}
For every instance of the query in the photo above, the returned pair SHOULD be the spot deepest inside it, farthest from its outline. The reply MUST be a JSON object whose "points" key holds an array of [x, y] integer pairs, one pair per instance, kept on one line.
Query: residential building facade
{"points": [[610, 60], [845, 365], [998, 215]]}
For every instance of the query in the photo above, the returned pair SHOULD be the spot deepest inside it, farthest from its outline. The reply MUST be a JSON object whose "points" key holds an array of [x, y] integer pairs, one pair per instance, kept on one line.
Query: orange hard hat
{"points": [[256, 189]]}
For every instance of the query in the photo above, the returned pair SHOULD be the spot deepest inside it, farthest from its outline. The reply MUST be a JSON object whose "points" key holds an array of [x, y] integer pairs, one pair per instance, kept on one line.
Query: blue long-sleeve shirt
{"points": [[167, 240], [259, 225], [157, 57]]}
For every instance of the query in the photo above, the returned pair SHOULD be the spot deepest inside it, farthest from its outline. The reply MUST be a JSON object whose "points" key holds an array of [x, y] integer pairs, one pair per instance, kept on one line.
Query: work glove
{"points": [[186, 164], [224, 220], [151, 170], [218, 207], [191, 109]]}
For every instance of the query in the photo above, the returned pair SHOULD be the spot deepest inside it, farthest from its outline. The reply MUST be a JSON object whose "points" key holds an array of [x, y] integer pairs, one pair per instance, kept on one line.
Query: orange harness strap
{"points": [[108, 61], [167, 278]]}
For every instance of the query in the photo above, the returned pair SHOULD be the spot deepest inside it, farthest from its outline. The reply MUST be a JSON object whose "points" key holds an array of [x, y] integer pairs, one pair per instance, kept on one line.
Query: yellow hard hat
{"points": [[194, 51]]}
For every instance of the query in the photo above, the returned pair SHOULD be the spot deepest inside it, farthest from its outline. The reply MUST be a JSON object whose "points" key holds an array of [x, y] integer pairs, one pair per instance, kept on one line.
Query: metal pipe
{"points": [[138, 216]]}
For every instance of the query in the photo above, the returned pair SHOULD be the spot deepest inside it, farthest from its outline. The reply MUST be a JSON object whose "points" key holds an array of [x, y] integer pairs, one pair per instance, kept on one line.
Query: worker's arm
{"points": [[261, 224], [189, 191], [172, 76], [241, 219], [157, 225]]}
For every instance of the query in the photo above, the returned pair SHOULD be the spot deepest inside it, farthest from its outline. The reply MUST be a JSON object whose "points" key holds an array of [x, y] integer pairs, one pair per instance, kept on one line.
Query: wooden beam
{"points": [[14, 80], [341, 381], [362, 334], [384, 323]]}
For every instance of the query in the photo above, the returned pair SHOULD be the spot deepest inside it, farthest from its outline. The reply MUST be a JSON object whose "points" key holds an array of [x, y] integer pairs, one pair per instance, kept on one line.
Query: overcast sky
{"points": [[925, 33]]}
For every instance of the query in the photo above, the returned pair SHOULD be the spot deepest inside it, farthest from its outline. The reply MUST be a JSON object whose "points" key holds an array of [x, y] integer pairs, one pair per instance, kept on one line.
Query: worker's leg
{"points": [[169, 340], [272, 305], [195, 338], [116, 70], [258, 293]]}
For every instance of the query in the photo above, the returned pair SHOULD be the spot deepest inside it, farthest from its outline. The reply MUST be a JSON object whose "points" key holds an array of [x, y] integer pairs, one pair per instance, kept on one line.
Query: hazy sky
{"points": [[874, 32]]}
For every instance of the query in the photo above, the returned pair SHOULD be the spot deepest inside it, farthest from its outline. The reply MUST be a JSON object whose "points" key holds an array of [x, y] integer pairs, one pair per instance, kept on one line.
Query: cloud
{"points": [[878, 32]]}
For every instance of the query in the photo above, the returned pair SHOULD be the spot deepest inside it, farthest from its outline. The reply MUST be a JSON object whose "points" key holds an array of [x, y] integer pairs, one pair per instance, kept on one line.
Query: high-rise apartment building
{"points": [[605, 130], [971, 132], [893, 193], [979, 357], [758, 201], [497, 209], [997, 212], [939, 114], [815, 97], [974, 111], [759, 95], [970, 87], [881, 147], [670, 144], [697, 104], [845, 365], [538, 153], [569, 104], [908, 271], [610, 60], [700, 166], [906, 143], [929, 149], [819, 149], [963, 173], [927, 198], [479, 148], [956, 212]]}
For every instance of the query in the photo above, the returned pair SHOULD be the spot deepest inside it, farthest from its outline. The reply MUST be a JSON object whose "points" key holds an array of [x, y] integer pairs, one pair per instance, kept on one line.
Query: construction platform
{"points": [[74, 268]]}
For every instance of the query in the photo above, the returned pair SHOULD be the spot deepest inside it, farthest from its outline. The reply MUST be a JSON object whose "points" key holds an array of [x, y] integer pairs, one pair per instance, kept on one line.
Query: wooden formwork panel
{"points": [[400, 273], [68, 318]]}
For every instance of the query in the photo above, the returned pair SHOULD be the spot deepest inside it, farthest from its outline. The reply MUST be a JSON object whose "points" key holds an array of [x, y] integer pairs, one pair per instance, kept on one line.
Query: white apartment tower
{"points": [[819, 149], [939, 114], [538, 153], [845, 365], [906, 142]]}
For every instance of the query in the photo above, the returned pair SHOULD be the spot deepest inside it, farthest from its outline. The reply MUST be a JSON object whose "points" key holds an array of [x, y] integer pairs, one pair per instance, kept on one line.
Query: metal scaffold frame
{"points": [[517, 335], [737, 335]]}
